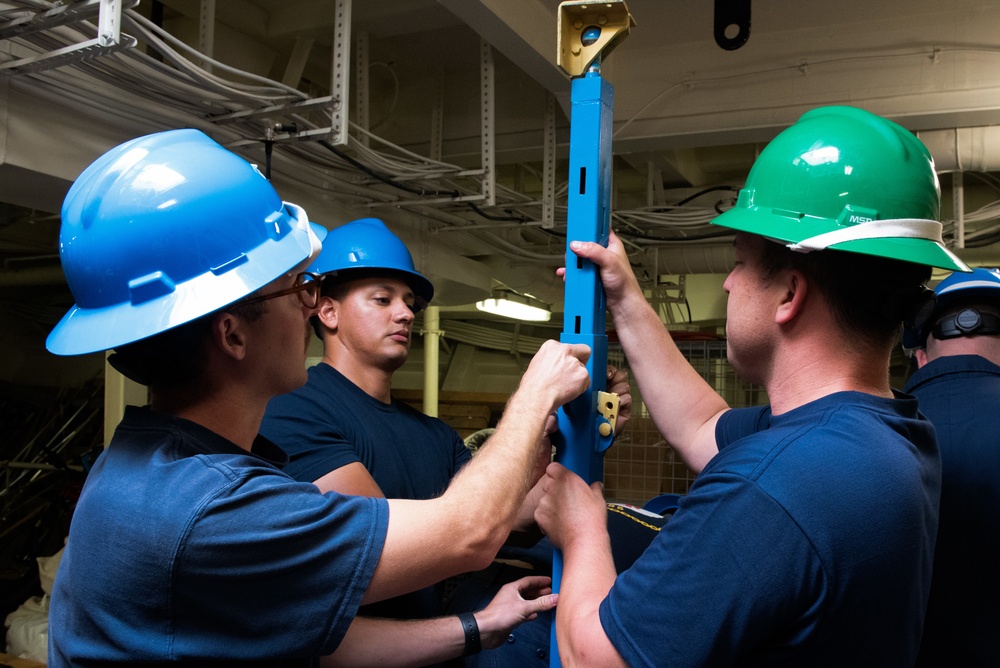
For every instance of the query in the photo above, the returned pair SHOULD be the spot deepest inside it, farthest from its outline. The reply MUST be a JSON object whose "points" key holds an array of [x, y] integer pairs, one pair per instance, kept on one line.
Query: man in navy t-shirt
{"points": [[808, 535], [958, 388], [344, 430], [189, 545]]}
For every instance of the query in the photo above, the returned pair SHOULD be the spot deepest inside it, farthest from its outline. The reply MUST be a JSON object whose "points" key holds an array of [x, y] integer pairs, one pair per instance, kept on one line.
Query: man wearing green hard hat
{"points": [[808, 536]]}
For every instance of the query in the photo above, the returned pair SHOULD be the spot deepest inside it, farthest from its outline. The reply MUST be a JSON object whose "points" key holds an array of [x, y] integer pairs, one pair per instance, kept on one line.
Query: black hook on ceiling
{"points": [[732, 23]]}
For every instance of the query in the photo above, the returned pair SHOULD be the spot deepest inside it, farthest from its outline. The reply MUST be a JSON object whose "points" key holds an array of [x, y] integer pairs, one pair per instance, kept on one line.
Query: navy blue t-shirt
{"points": [[186, 548], [807, 541], [961, 395], [330, 422]]}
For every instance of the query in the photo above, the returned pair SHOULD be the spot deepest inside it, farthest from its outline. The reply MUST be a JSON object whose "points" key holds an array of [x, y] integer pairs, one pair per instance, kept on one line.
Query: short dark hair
{"points": [[166, 361], [869, 295], [335, 285], [174, 359]]}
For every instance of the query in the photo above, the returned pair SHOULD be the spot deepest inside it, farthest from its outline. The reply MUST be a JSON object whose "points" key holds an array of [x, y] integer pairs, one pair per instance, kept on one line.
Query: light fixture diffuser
{"points": [[510, 304]]}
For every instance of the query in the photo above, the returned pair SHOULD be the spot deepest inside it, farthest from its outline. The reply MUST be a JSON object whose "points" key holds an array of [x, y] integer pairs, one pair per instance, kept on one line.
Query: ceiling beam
{"points": [[524, 32]]}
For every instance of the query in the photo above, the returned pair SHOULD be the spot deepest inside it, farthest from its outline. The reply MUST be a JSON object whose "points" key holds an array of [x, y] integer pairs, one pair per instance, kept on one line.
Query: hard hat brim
{"points": [[89, 330], [773, 226], [420, 285]]}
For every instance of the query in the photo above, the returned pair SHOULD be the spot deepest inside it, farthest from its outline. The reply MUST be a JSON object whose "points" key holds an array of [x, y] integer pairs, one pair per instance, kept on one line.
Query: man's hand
{"points": [[544, 457], [617, 277], [384, 643], [515, 603], [618, 384], [557, 373], [570, 509]]}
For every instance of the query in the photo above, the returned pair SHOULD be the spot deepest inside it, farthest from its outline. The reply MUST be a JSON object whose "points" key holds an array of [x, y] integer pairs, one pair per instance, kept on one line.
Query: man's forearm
{"points": [[525, 520], [588, 575], [462, 530], [394, 643], [389, 642], [503, 472]]}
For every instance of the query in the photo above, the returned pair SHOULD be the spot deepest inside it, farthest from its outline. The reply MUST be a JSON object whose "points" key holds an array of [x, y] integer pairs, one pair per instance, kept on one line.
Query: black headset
{"points": [[919, 307], [966, 322]]}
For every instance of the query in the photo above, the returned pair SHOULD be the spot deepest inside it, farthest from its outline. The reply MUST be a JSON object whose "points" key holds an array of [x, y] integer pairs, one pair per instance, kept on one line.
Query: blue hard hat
{"points": [[164, 229], [980, 284], [319, 231], [367, 244]]}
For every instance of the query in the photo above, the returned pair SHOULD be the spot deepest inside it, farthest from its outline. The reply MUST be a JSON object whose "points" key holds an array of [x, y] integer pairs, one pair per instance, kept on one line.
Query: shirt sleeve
{"points": [[315, 444], [741, 422], [462, 454], [299, 560], [713, 582]]}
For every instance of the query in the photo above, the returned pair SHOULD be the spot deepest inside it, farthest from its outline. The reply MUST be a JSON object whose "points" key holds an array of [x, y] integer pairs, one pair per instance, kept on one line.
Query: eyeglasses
{"points": [[307, 285]]}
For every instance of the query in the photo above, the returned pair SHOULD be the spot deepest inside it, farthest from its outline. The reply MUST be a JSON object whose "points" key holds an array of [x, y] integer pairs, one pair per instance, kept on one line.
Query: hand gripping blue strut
{"points": [[587, 33], [580, 445]]}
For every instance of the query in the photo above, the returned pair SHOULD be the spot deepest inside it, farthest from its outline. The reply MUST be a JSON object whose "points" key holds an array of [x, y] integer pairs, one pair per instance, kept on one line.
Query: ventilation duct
{"points": [[975, 149], [713, 259]]}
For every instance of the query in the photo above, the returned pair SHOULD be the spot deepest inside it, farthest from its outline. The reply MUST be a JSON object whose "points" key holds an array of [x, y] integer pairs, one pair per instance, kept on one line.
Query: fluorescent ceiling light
{"points": [[513, 305]]}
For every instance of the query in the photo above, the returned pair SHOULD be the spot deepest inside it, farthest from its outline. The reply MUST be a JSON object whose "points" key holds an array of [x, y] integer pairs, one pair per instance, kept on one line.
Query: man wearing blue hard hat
{"points": [[958, 387], [371, 293], [188, 543], [344, 430]]}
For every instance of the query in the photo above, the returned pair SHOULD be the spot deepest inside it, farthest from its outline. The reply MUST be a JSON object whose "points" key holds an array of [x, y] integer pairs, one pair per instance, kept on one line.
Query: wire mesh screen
{"points": [[640, 465]]}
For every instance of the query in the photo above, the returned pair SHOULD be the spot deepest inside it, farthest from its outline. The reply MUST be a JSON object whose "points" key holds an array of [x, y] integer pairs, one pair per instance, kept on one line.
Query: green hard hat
{"points": [[845, 179]]}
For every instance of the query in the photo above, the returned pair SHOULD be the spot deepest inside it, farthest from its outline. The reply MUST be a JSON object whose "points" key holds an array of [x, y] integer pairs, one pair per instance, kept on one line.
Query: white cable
{"points": [[148, 27], [199, 74]]}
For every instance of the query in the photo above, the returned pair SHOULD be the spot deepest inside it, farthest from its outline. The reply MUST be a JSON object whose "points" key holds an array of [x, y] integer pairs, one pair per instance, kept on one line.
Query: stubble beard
{"points": [[392, 364]]}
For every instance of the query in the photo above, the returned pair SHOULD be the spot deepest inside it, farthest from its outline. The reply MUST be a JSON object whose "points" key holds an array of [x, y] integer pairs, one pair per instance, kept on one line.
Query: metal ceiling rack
{"points": [[109, 39]]}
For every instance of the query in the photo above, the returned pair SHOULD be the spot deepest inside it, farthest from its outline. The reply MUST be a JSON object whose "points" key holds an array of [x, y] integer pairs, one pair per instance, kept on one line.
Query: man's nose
{"points": [[404, 312]]}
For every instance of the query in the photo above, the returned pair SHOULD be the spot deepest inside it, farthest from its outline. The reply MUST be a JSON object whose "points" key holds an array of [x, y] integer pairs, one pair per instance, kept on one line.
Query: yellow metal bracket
{"points": [[589, 30], [607, 406]]}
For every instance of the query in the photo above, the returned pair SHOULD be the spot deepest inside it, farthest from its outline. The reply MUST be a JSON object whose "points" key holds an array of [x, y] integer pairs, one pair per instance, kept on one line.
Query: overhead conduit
{"points": [[974, 149], [968, 149], [962, 149], [701, 259]]}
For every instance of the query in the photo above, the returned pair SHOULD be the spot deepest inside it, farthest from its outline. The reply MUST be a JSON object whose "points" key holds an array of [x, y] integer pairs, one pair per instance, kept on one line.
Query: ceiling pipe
{"points": [[975, 149], [45, 275], [707, 259], [987, 256], [954, 150]]}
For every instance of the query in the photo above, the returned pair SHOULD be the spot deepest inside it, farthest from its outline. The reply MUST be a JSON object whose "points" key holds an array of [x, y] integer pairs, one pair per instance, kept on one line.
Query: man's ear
{"points": [[229, 334], [329, 312], [793, 301], [920, 355]]}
